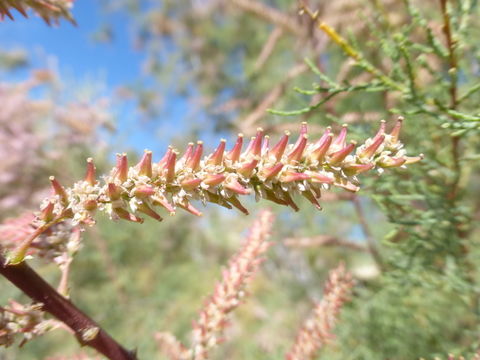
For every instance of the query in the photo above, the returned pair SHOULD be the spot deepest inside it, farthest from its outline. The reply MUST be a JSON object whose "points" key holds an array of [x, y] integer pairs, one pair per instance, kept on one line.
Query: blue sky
{"points": [[82, 61]]}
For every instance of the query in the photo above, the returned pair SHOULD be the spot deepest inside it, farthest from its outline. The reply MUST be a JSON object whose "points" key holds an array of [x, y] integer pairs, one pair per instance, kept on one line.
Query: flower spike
{"points": [[90, 175]]}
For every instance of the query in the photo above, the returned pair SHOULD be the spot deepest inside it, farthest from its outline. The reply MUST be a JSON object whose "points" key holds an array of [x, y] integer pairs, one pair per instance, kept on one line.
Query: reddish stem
{"points": [[35, 287]]}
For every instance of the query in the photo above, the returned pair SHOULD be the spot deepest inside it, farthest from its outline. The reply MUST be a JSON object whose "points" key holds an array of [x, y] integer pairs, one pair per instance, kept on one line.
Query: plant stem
{"points": [[87, 331]]}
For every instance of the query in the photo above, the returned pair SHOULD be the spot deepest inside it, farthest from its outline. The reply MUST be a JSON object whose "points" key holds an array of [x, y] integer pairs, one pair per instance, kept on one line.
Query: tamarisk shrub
{"points": [[276, 173]]}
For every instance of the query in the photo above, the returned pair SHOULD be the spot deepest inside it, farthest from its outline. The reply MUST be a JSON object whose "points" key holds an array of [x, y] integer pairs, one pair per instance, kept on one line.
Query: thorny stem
{"points": [[371, 245], [87, 331]]}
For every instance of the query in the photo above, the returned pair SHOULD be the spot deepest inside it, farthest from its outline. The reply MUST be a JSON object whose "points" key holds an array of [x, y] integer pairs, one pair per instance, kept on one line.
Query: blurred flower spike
{"points": [[49, 10], [274, 173]]}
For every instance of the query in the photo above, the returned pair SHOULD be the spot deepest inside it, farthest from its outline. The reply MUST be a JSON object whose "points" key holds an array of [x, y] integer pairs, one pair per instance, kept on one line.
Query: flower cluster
{"points": [[272, 173], [317, 329], [228, 295], [25, 320], [48, 10]]}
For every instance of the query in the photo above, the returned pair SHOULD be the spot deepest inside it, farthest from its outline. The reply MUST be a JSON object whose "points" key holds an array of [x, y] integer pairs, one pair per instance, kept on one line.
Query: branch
{"points": [[270, 14], [87, 331]]}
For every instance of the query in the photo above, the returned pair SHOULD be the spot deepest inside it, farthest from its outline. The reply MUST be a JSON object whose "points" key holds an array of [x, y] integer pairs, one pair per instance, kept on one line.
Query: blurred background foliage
{"points": [[410, 237]]}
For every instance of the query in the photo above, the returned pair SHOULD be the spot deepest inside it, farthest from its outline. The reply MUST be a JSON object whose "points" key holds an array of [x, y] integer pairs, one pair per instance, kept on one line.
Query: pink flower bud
{"points": [[214, 179], [381, 130], [234, 154], [279, 148], [371, 150], [190, 208], [145, 164], [122, 167], [58, 189], [144, 191], [322, 148], [291, 176], [342, 137], [90, 175], [147, 210], [391, 162], [194, 161], [355, 169], [217, 157], [273, 171], [319, 177], [297, 152], [234, 185], [170, 166], [237, 204], [396, 129], [125, 215], [191, 184], [90, 205], [309, 196], [47, 214], [113, 191], [247, 169], [340, 155], [188, 153]]}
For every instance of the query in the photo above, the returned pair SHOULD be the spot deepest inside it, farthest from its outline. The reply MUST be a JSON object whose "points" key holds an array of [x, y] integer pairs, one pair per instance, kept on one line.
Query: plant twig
{"points": [[87, 331]]}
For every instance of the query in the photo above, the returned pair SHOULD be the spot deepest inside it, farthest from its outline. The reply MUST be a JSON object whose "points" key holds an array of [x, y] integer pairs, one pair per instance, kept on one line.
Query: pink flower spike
{"points": [[113, 191], [237, 204], [250, 145], [217, 157], [291, 176], [47, 214], [194, 161], [170, 166], [396, 129], [214, 179], [279, 148], [327, 133], [380, 131], [191, 183], [234, 185], [340, 155], [190, 208], [247, 169], [371, 150], [122, 167], [272, 171], [90, 175], [319, 153], [297, 152], [234, 154], [144, 191], [145, 164], [340, 141], [392, 162], [125, 215], [355, 169], [319, 177], [147, 210], [58, 189]]}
